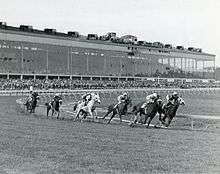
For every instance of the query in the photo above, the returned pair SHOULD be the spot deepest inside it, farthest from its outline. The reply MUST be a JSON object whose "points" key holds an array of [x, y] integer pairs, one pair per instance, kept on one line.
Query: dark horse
{"points": [[170, 112], [120, 109], [32, 103], [149, 111], [54, 106]]}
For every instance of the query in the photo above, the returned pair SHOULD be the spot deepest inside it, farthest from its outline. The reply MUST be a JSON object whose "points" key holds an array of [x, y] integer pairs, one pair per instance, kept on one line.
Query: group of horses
{"points": [[139, 114]]}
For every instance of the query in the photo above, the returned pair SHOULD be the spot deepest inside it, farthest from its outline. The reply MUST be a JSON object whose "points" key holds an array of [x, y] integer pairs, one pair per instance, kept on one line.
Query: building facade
{"points": [[25, 52]]}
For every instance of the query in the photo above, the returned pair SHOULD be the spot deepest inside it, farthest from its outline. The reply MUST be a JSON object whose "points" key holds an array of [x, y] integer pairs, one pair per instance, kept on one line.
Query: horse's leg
{"points": [[120, 116], [48, 109], [164, 119], [169, 121], [78, 113], [96, 114], [90, 113], [160, 116], [58, 114], [52, 112], [113, 115], [148, 124], [109, 111]]}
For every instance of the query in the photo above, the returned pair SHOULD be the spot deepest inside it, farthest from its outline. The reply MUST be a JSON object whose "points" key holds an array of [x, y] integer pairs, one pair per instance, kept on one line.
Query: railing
{"points": [[67, 91]]}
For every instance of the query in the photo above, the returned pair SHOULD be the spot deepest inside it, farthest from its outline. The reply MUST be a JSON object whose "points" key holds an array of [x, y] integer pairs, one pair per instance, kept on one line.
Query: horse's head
{"points": [[35, 96], [96, 98], [180, 101], [159, 102]]}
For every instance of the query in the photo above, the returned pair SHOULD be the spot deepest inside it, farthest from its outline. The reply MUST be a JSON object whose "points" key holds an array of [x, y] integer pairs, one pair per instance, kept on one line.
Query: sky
{"points": [[178, 22]]}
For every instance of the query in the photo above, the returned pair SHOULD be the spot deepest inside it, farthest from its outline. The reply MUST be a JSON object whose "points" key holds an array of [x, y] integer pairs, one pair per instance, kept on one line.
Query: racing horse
{"points": [[149, 111], [170, 112], [54, 106], [120, 109], [31, 103], [88, 109]]}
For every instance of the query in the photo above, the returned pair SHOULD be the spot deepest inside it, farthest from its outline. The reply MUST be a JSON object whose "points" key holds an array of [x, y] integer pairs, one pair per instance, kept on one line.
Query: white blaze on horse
{"points": [[88, 108]]}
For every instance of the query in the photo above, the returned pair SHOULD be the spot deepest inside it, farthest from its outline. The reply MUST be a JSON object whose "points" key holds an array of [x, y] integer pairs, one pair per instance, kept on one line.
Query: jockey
{"points": [[30, 96], [150, 99], [171, 99], [56, 97], [86, 98], [122, 98]]}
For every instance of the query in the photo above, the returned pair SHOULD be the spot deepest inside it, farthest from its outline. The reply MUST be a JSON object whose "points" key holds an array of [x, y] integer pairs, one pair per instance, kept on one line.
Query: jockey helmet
{"points": [[175, 93], [56, 95], [125, 94], [159, 100], [154, 95]]}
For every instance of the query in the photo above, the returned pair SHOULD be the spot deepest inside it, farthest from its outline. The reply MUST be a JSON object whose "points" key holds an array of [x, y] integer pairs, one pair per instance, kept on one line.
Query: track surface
{"points": [[36, 144]]}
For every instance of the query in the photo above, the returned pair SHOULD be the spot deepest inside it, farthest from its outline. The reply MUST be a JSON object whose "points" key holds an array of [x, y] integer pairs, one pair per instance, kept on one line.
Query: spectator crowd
{"points": [[16, 84]]}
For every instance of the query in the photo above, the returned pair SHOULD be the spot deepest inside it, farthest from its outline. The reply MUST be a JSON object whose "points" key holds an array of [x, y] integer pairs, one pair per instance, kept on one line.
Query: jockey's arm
{"points": [[149, 99], [168, 98], [119, 98]]}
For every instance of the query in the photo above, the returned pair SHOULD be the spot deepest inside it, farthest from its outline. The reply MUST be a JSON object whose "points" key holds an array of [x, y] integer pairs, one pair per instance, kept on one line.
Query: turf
{"points": [[36, 144]]}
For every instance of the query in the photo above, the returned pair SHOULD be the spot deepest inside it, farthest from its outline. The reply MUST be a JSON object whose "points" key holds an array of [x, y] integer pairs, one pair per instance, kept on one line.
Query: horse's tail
{"points": [[134, 108]]}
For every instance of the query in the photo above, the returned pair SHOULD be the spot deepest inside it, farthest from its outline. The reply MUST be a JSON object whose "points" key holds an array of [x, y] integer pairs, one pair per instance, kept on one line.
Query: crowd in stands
{"points": [[17, 84]]}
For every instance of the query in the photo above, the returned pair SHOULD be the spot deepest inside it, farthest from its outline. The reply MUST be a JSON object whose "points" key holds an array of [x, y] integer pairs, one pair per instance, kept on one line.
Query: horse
{"points": [[54, 106], [149, 111], [84, 114], [88, 109], [120, 109], [170, 112], [31, 103]]}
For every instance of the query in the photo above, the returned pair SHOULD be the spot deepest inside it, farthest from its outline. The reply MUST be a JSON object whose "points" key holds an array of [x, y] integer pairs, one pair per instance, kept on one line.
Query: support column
{"points": [[71, 61], [169, 61], [22, 59], [174, 63], [87, 64], [68, 60], [181, 64], [203, 71], [47, 61], [192, 65], [188, 66], [185, 63], [196, 65], [214, 68], [105, 68]]}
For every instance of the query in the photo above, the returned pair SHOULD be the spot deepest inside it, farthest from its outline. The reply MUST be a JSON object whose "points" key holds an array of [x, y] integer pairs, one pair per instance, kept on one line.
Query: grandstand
{"points": [[26, 53]]}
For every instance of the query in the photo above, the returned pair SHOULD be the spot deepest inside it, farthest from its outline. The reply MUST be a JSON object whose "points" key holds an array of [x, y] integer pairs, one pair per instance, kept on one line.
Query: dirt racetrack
{"points": [[36, 144]]}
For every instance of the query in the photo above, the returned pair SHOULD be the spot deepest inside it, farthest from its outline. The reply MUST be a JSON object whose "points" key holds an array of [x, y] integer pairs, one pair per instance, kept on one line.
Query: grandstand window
{"points": [[75, 52], [93, 54], [102, 54], [34, 48], [25, 48]]}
